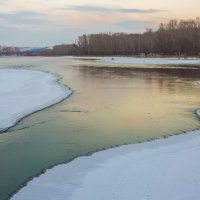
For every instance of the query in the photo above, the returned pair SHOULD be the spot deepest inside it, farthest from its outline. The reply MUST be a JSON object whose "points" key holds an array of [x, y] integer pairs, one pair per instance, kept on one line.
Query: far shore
{"points": [[143, 56], [128, 56]]}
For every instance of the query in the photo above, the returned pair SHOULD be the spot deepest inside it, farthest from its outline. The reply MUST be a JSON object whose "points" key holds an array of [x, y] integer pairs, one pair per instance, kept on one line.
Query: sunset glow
{"points": [[48, 22]]}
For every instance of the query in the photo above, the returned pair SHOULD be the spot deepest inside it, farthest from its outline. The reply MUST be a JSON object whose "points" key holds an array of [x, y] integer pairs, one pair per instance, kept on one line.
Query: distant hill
{"points": [[34, 49]]}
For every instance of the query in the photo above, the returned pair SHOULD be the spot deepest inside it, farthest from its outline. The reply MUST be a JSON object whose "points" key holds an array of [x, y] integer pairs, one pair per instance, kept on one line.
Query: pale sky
{"points": [[49, 22]]}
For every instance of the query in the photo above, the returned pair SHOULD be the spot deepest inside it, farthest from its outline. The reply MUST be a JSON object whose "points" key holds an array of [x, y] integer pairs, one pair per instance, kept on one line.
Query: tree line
{"points": [[173, 38], [6, 51], [177, 37]]}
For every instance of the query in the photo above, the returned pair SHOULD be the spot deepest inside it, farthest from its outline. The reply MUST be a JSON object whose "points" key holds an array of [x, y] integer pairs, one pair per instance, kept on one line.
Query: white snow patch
{"points": [[23, 92], [136, 60], [153, 61], [161, 169]]}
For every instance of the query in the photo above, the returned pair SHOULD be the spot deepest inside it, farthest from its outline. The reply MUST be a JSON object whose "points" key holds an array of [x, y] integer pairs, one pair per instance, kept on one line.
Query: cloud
{"points": [[98, 9], [2, 2], [131, 23], [23, 18], [134, 25], [127, 10]]}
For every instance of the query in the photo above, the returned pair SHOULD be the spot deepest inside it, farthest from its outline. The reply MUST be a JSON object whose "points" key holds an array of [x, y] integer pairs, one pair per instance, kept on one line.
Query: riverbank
{"points": [[108, 108], [26, 91], [149, 60], [140, 60], [161, 169]]}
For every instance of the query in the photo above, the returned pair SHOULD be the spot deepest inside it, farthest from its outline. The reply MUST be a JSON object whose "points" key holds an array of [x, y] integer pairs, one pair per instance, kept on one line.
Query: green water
{"points": [[110, 105]]}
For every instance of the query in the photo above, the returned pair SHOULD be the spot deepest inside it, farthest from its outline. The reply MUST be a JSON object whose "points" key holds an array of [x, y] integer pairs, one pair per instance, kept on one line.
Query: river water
{"points": [[111, 105]]}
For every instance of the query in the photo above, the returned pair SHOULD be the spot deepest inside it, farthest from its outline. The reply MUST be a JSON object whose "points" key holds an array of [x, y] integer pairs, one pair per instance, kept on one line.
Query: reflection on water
{"points": [[111, 105]]}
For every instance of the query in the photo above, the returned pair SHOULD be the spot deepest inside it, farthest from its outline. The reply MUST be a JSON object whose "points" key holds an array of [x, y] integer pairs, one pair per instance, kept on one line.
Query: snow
{"points": [[137, 60], [161, 169], [156, 61], [23, 92]]}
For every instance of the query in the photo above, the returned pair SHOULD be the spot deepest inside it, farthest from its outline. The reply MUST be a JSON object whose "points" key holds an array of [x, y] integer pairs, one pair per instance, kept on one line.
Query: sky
{"points": [[38, 23]]}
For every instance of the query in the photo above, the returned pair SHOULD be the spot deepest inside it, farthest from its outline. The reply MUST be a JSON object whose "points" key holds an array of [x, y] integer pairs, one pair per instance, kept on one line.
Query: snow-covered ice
{"points": [[23, 92], [153, 61], [136, 60], [161, 169]]}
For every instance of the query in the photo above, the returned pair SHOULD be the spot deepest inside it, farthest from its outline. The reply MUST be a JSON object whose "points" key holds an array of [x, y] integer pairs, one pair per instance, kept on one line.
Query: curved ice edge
{"points": [[51, 181], [76, 174], [53, 80]]}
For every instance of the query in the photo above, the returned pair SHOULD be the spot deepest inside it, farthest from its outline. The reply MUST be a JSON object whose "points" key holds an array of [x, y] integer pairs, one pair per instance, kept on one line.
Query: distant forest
{"points": [[173, 38], [179, 38]]}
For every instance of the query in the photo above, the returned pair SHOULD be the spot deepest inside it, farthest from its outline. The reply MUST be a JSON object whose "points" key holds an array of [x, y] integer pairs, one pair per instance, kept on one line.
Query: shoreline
{"points": [[103, 55], [127, 60], [52, 81], [83, 172], [51, 166], [136, 60], [142, 56]]}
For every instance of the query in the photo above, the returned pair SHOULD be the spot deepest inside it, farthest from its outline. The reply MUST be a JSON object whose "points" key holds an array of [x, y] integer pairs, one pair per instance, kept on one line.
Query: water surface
{"points": [[110, 105]]}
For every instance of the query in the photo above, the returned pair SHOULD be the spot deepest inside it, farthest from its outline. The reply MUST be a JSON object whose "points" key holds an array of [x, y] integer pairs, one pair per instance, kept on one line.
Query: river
{"points": [[111, 105]]}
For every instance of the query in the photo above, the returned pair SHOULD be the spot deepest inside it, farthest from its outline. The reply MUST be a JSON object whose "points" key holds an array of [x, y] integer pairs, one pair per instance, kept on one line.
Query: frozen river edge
{"points": [[24, 92], [160, 169]]}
